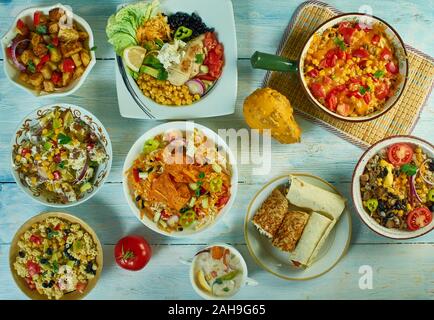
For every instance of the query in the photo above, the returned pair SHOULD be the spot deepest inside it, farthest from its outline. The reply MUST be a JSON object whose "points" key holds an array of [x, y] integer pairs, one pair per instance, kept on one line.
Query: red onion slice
{"points": [[82, 173], [20, 66], [196, 86], [423, 177], [413, 188]]}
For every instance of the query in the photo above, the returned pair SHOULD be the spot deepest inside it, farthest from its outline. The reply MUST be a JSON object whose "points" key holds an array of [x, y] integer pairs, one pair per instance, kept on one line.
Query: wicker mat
{"points": [[400, 120]]}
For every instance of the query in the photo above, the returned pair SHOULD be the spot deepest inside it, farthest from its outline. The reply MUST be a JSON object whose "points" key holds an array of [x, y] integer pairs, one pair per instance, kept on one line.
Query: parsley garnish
{"points": [[409, 169], [199, 58], [63, 139], [378, 74], [340, 43]]}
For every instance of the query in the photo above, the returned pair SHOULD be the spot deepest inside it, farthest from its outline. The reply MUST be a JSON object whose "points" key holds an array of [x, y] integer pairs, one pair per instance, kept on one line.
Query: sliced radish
{"points": [[196, 86]]}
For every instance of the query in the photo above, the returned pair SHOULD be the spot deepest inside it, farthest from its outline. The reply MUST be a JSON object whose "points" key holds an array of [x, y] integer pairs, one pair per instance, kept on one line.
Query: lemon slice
{"points": [[133, 57], [202, 281]]}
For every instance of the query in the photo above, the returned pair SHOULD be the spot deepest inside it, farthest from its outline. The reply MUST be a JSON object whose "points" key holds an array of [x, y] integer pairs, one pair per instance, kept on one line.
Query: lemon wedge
{"points": [[202, 281], [133, 57]]}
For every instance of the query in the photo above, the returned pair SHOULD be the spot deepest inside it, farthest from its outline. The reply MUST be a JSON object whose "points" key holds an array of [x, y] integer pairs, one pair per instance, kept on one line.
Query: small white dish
{"points": [[357, 197], [12, 72], [220, 100], [137, 148], [245, 279], [276, 261], [98, 129]]}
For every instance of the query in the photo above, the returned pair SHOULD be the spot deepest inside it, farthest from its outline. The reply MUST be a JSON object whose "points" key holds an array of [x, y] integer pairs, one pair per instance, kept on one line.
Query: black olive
{"points": [[48, 230], [49, 251], [22, 254], [381, 206], [89, 268], [67, 246], [431, 166], [138, 197], [43, 261], [45, 285], [432, 208], [51, 283]]}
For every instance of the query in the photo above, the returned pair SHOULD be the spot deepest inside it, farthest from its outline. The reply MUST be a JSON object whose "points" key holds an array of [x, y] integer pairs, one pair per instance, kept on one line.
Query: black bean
{"points": [[49, 251], [22, 254], [43, 261], [51, 283], [138, 197], [431, 166]]}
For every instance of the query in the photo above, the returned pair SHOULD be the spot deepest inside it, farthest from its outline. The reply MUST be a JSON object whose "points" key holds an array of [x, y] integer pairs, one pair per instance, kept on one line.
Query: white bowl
{"points": [[245, 280], [12, 72], [99, 130], [357, 197], [136, 149], [400, 52], [220, 100]]}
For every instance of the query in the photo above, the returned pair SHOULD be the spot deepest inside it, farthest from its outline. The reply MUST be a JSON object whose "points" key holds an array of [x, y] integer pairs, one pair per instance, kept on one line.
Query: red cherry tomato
{"points": [[33, 268], [68, 65], [399, 154], [392, 67], [360, 53], [318, 90], [375, 39], [132, 252], [419, 218], [382, 91], [386, 54]]}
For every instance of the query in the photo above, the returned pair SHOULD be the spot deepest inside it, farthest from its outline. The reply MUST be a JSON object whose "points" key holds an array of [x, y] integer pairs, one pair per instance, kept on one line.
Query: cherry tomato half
{"points": [[132, 252], [399, 154], [419, 218]]}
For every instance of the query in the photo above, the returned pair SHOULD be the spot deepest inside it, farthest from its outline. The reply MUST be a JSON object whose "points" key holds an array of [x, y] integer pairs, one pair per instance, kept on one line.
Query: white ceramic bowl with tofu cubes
{"points": [[12, 72], [28, 129]]}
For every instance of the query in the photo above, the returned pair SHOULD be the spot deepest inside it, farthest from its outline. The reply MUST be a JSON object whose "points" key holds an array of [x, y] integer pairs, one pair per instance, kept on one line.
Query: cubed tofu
{"points": [[83, 35], [77, 59], [48, 86], [36, 79], [78, 72], [53, 28], [55, 55], [55, 14], [66, 78], [40, 50], [46, 72], [35, 39], [24, 77], [26, 56], [85, 57], [36, 61], [68, 35], [43, 19], [52, 65], [70, 48]]}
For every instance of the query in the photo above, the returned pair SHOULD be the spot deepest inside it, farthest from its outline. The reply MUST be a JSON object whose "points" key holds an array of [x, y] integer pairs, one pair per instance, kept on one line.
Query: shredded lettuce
{"points": [[122, 26]]}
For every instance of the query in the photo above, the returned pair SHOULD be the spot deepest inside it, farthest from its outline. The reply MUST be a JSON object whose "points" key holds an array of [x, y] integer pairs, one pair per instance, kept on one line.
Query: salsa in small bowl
{"points": [[393, 187]]}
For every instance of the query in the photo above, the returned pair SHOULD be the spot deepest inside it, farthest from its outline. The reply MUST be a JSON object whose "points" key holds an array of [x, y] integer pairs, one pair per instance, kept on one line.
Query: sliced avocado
{"points": [[56, 123], [47, 145], [67, 119], [151, 71], [85, 187]]}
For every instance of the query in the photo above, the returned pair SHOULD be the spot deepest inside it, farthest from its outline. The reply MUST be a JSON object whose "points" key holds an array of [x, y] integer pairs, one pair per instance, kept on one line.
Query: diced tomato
{"points": [[362, 64], [81, 286], [165, 215], [55, 41], [20, 24], [24, 151], [318, 90], [57, 175], [57, 158], [313, 73], [323, 64], [382, 91], [367, 97], [360, 53], [386, 54], [210, 41], [219, 50], [338, 89], [356, 94], [43, 61], [136, 175], [206, 77], [56, 77], [331, 101], [375, 39], [346, 31], [30, 283], [213, 58], [348, 56], [68, 65], [343, 109], [331, 62], [57, 227], [356, 80], [35, 239], [340, 53], [372, 77], [327, 80], [90, 146], [222, 201], [9, 52], [33, 268], [36, 18], [392, 67]]}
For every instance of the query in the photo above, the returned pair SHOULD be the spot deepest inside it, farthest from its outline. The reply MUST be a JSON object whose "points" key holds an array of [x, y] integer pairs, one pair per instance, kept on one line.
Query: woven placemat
{"points": [[400, 120]]}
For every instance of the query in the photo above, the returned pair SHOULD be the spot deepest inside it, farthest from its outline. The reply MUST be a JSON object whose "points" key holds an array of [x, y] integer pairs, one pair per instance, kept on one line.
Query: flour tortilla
{"points": [[313, 235], [305, 195]]}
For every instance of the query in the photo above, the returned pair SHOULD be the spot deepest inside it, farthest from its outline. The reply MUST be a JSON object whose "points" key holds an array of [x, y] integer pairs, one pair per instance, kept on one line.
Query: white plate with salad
{"points": [[176, 60]]}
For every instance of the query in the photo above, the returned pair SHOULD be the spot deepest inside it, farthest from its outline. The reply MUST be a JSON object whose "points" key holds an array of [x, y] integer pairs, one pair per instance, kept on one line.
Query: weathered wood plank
{"points": [[166, 278], [108, 213]]}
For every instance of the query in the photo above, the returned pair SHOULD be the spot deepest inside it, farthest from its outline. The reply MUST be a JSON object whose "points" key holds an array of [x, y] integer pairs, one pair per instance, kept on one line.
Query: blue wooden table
{"points": [[401, 269]]}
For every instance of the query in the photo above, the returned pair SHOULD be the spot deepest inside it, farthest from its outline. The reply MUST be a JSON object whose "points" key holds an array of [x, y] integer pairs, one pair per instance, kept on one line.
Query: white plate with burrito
{"points": [[298, 227]]}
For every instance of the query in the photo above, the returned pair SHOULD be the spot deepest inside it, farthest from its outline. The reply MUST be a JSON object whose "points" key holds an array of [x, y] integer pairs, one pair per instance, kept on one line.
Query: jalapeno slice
{"points": [[183, 33], [187, 218], [372, 204]]}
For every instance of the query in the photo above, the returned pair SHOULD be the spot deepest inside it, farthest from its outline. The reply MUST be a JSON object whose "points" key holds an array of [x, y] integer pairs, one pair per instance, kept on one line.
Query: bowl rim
{"points": [[108, 148], [181, 125], [362, 212], [70, 218], [82, 22], [333, 114], [246, 225], [243, 265]]}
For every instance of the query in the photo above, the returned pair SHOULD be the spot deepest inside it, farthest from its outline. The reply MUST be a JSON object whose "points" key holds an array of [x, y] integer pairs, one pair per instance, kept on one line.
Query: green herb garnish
{"points": [[378, 74], [183, 210], [163, 75], [55, 267], [226, 289], [93, 48], [218, 281], [41, 29], [340, 43], [62, 164], [199, 58], [409, 169], [52, 234], [31, 66], [50, 46], [197, 193], [63, 139], [363, 90], [201, 175]]}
